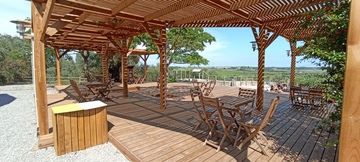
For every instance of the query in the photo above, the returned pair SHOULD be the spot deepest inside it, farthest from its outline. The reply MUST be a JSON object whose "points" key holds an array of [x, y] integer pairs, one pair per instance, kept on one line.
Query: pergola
{"points": [[93, 25]]}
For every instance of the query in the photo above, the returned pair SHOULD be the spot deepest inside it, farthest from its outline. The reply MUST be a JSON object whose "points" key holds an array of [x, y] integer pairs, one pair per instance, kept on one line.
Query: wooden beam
{"points": [[172, 8], [350, 117], [83, 16], [104, 12], [121, 6], [203, 15], [46, 17], [40, 72]]}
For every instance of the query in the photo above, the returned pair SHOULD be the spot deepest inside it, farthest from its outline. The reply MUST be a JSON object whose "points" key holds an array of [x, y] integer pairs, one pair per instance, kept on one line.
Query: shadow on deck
{"points": [[144, 132]]}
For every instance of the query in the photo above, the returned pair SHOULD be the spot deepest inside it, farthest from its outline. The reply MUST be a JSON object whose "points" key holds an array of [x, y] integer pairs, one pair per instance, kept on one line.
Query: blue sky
{"points": [[232, 47]]}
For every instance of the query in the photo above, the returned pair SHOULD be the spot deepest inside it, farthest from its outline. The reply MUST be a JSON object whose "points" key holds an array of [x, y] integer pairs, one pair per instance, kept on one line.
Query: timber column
{"points": [[160, 41], [40, 19], [263, 41], [293, 63]]}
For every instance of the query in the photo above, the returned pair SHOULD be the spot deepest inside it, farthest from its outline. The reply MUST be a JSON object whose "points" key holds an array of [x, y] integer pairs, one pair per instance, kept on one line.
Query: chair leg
{"points": [[237, 136], [209, 135], [262, 149], [222, 141], [197, 126]]}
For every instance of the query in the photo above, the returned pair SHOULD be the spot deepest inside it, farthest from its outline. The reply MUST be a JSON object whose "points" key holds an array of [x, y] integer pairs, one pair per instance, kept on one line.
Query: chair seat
{"points": [[227, 120]]}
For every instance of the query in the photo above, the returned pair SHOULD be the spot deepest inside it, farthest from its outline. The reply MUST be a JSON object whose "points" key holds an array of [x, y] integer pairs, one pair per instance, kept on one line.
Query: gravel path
{"points": [[18, 132]]}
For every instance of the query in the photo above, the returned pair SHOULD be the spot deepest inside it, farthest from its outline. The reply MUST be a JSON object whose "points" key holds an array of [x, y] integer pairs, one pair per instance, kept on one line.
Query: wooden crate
{"points": [[79, 126]]}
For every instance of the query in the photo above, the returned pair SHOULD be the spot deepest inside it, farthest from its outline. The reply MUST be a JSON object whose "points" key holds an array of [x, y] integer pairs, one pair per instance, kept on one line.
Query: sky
{"points": [[232, 46]]}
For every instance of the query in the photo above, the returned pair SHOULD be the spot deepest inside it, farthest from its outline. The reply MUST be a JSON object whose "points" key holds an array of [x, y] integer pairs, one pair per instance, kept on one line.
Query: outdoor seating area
{"points": [[143, 132], [304, 96]]}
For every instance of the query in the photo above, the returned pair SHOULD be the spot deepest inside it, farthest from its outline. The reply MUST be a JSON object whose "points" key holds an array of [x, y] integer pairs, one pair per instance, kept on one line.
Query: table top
{"points": [[93, 83], [77, 107], [235, 100]]}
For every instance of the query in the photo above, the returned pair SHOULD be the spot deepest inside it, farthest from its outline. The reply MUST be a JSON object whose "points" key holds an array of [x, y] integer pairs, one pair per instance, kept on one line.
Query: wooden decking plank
{"points": [[299, 144], [177, 149], [279, 138], [164, 149], [330, 152], [286, 147]]}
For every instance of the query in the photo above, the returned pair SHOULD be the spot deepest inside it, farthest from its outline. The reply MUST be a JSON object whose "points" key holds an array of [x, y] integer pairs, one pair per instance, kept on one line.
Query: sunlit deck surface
{"points": [[144, 132]]}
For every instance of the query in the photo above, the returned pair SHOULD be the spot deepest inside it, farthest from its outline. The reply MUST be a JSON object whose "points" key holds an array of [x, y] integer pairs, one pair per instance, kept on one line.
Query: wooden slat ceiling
{"points": [[86, 24]]}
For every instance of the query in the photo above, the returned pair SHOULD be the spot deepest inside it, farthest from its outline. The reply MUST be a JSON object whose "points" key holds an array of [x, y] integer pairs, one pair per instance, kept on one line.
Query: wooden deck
{"points": [[143, 132]]}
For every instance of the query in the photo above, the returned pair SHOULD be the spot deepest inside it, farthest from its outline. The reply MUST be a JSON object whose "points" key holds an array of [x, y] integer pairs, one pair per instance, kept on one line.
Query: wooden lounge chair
{"points": [[254, 125], [198, 109], [226, 123], [209, 87], [83, 95], [248, 93]]}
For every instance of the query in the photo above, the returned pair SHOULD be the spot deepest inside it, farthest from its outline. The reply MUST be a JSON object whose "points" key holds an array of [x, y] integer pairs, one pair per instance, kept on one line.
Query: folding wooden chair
{"points": [[317, 99], [296, 96], [83, 95], [248, 93], [209, 87], [253, 126], [201, 114], [226, 122]]}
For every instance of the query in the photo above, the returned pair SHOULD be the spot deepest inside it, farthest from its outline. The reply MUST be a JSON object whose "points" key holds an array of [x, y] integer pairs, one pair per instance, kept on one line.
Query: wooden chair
{"points": [[83, 95], [248, 93], [108, 88], [317, 98], [296, 96], [254, 125], [226, 122], [209, 87], [201, 114]]}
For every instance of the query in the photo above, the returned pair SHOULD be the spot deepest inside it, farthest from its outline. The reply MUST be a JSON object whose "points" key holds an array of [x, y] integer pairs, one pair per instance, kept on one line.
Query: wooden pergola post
{"points": [[104, 61], [123, 46], [145, 58], [58, 67], [293, 63], [350, 120], [160, 41], [263, 41], [40, 21]]}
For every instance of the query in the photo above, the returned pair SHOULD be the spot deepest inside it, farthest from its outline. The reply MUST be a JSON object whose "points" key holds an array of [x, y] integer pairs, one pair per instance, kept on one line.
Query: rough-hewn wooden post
{"points": [[350, 120], [124, 72], [39, 24]]}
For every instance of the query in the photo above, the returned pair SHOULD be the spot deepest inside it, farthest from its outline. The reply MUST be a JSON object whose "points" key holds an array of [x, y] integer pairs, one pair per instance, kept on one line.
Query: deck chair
{"points": [[209, 87], [248, 93], [226, 123], [83, 95], [254, 125], [198, 109]]}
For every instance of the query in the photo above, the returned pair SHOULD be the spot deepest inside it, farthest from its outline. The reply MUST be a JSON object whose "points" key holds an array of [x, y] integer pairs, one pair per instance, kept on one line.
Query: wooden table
{"points": [[93, 86], [236, 105], [79, 126]]}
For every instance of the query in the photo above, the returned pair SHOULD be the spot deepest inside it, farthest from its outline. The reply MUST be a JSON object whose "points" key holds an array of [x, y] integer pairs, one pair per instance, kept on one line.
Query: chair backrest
{"points": [[273, 105], [316, 91], [247, 93], [295, 90], [214, 103], [80, 97], [193, 94]]}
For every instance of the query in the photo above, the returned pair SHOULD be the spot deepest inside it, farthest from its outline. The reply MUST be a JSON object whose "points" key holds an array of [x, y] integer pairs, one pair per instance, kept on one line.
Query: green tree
{"points": [[181, 43], [327, 49]]}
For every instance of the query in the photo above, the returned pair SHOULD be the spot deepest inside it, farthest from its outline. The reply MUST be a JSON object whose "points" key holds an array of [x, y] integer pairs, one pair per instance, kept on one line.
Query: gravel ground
{"points": [[18, 132]]}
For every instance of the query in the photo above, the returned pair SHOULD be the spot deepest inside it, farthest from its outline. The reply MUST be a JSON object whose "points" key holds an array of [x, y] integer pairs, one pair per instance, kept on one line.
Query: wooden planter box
{"points": [[79, 126]]}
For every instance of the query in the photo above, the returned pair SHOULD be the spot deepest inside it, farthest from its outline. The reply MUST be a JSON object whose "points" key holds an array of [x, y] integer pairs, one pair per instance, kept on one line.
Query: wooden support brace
{"points": [[46, 18]]}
